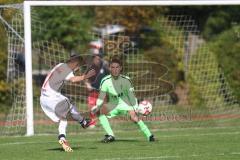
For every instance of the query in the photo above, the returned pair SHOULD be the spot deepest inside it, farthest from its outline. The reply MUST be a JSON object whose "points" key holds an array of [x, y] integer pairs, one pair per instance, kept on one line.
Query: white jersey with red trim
{"points": [[55, 79]]}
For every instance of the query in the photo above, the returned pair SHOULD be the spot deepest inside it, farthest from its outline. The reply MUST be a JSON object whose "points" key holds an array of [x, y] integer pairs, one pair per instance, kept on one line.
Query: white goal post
{"points": [[28, 36], [28, 68]]}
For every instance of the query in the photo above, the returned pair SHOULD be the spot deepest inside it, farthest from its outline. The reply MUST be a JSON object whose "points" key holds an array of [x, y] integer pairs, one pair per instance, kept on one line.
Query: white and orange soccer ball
{"points": [[144, 108]]}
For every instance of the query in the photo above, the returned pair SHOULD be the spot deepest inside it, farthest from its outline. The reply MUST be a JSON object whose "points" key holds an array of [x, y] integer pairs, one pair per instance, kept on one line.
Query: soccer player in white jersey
{"points": [[55, 105], [121, 98]]}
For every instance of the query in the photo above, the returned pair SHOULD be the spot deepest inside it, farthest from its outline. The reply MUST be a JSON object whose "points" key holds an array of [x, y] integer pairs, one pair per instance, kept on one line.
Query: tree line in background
{"points": [[219, 26]]}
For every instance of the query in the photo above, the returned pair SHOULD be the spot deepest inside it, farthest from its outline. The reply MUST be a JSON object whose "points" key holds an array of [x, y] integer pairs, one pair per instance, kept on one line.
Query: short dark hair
{"points": [[116, 60], [75, 58]]}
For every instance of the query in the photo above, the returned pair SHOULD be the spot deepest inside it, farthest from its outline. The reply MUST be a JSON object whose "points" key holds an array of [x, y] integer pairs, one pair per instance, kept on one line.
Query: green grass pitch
{"points": [[222, 143]]}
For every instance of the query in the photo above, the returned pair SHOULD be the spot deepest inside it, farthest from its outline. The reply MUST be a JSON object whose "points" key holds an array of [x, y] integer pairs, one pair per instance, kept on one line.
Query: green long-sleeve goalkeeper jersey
{"points": [[119, 91]]}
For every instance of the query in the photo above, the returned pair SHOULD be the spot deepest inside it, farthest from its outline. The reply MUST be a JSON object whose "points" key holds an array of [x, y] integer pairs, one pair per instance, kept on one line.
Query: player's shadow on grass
{"points": [[74, 148], [126, 140], [131, 141]]}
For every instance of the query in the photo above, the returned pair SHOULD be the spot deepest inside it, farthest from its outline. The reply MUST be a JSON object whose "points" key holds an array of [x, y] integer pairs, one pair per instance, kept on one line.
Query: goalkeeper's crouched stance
{"points": [[121, 97], [55, 105]]}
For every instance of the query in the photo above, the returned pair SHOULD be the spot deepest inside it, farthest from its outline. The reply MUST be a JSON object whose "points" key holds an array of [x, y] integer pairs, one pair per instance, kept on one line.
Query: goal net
{"points": [[202, 98]]}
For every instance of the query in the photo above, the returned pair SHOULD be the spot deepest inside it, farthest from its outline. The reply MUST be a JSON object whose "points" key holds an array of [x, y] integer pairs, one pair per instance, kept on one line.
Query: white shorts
{"points": [[49, 103]]}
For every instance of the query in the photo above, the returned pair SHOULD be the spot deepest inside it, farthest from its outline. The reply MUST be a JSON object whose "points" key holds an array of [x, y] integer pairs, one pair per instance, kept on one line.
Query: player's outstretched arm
{"points": [[83, 77], [99, 102], [101, 97]]}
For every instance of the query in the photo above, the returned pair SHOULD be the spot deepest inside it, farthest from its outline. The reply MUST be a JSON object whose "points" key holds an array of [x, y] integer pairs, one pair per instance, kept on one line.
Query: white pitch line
{"points": [[202, 134], [23, 143], [166, 157], [141, 158], [235, 153], [137, 137], [154, 130]]}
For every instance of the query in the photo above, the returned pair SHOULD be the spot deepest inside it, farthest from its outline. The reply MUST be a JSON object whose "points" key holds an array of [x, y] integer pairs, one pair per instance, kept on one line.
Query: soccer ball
{"points": [[145, 108]]}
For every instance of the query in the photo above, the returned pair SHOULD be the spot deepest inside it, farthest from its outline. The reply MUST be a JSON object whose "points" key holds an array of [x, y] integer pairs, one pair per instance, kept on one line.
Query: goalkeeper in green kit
{"points": [[121, 99]]}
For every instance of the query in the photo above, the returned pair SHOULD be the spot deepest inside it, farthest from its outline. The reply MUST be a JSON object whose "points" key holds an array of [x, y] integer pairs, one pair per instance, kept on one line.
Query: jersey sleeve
{"points": [[130, 86], [70, 75], [130, 93], [103, 86], [102, 94]]}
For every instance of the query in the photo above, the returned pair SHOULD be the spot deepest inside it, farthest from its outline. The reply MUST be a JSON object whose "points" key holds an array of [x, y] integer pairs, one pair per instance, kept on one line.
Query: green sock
{"points": [[144, 128], [105, 124]]}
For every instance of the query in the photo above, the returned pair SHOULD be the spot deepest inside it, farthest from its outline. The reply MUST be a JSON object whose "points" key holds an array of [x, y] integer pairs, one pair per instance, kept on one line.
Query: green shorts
{"points": [[121, 109]]}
